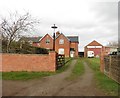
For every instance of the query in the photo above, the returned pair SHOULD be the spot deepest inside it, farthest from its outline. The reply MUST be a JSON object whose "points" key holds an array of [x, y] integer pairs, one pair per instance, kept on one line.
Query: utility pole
{"points": [[54, 27]]}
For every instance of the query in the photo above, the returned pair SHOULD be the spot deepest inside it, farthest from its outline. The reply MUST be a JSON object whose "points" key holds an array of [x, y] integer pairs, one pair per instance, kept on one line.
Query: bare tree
{"points": [[15, 25], [113, 44]]}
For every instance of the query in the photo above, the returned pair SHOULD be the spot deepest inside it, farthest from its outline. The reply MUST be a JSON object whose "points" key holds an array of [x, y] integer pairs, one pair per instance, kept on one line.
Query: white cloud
{"points": [[89, 20]]}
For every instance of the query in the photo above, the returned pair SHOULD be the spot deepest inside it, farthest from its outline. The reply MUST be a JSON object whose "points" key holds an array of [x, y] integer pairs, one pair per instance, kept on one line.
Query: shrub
{"points": [[25, 49], [41, 50]]}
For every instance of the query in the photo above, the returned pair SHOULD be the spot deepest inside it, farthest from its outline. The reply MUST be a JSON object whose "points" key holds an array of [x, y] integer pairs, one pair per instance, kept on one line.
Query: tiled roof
{"points": [[34, 39], [37, 39], [73, 38], [70, 38]]}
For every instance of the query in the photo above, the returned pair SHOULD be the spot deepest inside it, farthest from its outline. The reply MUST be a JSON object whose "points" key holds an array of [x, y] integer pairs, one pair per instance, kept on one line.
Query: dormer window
{"points": [[61, 41], [47, 41]]}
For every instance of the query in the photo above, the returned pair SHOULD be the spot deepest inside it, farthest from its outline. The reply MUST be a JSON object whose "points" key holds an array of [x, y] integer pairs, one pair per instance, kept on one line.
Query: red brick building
{"points": [[106, 50], [110, 50], [67, 45], [94, 46]]}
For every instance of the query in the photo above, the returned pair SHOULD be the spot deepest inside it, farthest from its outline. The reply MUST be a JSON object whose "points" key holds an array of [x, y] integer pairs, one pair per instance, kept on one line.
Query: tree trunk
{"points": [[8, 46]]}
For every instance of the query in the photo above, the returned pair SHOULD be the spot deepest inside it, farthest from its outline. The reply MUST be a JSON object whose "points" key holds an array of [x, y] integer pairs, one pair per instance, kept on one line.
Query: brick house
{"points": [[110, 49], [94, 46], [67, 45]]}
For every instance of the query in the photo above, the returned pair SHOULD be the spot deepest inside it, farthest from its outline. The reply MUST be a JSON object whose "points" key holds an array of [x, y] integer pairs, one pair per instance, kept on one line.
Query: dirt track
{"points": [[55, 85]]}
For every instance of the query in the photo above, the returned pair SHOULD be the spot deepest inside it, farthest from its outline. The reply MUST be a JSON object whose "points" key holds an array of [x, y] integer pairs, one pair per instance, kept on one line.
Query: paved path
{"points": [[55, 85]]}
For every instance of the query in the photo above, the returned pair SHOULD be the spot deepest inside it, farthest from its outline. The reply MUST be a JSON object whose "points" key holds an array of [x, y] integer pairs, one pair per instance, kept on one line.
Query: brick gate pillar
{"points": [[102, 62], [52, 59]]}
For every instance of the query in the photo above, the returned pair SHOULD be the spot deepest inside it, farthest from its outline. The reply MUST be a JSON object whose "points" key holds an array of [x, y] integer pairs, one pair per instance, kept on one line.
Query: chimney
{"points": [[57, 33]]}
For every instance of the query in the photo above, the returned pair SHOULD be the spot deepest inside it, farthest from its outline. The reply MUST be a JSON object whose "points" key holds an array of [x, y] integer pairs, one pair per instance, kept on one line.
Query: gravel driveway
{"points": [[55, 85]]}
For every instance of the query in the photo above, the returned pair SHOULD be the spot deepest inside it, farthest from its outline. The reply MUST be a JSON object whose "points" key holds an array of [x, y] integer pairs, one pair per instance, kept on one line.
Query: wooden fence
{"points": [[112, 67], [60, 60]]}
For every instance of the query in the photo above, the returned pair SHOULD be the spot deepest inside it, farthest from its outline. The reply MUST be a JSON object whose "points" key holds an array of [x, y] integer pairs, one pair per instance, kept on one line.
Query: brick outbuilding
{"points": [[94, 46]]}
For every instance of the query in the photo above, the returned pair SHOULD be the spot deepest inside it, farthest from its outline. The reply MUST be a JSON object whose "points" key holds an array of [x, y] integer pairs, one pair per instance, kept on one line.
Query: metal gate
{"points": [[60, 60]]}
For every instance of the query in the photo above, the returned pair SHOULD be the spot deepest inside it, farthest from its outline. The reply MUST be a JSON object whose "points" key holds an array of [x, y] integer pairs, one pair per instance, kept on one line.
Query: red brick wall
{"points": [[97, 51], [66, 45], [28, 62], [102, 61], [75, 46], [85, 51], [43, 43]]}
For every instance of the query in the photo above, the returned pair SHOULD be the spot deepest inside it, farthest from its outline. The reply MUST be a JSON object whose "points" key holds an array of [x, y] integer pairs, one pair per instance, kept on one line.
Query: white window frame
{"points": [[94, 46], [61, 41], [61, 51], [47, 41]]}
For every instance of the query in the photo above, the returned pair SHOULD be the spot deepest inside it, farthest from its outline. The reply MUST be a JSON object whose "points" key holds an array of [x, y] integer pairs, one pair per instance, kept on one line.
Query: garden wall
{"points": [[28, 62]]}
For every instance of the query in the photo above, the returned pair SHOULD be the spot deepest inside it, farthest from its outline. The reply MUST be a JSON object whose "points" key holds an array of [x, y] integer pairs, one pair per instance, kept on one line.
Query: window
{"points": [[61, 41], [61, 51], [47, 41], [72, 49]]}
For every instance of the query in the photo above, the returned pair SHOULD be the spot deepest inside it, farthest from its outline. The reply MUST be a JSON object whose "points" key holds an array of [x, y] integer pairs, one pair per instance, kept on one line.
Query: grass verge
{"points": [[24, 75], [109, 86], [78, 70]]}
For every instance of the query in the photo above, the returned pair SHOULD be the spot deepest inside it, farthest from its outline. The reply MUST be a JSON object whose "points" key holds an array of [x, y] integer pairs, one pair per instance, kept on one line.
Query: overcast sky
{"points": [[88, 19]]}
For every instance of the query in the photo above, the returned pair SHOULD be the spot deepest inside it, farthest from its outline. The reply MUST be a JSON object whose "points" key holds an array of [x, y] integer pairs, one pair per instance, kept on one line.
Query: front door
{"points": [[72, 53]]}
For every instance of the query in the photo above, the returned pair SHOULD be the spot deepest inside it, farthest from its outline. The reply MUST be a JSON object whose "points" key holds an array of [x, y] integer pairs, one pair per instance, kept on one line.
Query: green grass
{"points": [[68, 59], [0, 75], [109, 86], [78, 70], [24, 75]]}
